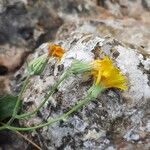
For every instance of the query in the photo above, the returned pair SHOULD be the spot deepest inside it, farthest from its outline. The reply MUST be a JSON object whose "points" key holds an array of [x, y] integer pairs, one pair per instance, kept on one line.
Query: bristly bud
{"points": [[78, 67], [37, 65]]}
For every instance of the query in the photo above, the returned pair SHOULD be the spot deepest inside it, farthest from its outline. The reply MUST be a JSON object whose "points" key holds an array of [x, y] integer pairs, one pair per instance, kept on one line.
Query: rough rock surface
{"points": [[22, 29], [117, 120], [137, 9]]}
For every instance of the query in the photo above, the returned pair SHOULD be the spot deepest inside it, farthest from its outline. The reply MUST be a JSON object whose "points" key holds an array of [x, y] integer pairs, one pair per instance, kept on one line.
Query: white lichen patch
{"points": [[145, 63], [56, 134], [137, 117], [110, 148], [128, 61], [78, 123], [93, 134], [38, 89], [148, 126], [130, 136]]}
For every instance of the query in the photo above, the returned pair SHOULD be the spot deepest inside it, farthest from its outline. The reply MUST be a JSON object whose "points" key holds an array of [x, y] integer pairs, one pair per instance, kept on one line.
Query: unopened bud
{"points": [[78, 67], [37, 65]]}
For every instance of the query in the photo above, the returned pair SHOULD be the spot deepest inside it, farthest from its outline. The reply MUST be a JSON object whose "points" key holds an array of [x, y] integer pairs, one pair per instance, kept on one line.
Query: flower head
{"points": [[107, 75], [55, 51]]}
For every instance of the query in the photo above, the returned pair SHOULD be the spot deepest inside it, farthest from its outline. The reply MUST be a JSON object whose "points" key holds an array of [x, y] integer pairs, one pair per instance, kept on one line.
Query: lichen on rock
{"points": [[87, 30], [102, 122]]}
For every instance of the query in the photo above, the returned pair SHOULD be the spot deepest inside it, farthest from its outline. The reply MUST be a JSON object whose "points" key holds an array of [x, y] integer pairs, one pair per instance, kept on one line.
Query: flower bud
{"points": [[78, 67], [37, 65]]}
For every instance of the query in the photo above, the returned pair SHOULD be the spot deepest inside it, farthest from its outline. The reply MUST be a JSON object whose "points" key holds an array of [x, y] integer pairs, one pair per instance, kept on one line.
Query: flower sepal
{"points": [[95, 90]]}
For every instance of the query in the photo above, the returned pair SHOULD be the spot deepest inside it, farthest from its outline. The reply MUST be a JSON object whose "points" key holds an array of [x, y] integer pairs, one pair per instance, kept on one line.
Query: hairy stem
{"points": [[62, 78], [15, 111], [78, 106]]}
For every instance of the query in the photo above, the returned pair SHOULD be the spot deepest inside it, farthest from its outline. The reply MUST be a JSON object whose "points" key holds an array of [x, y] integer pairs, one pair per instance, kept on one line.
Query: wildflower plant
{"points": [[105, 75]]}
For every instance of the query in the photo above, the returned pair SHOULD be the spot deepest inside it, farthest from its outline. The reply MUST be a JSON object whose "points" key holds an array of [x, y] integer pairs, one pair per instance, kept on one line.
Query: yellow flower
{"points": [[55, 51], [107, 75]]}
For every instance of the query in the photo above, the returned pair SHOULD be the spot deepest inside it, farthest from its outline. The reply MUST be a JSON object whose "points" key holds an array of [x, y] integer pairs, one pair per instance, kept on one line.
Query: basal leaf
{"points": [[7, 104]]}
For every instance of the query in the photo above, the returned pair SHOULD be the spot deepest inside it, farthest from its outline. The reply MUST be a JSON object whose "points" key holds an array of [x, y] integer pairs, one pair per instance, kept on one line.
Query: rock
{"points": [[117, 120], [128, 8], [21, 24], [22, 29], [115, 115], [4, 86], [9, 141]]}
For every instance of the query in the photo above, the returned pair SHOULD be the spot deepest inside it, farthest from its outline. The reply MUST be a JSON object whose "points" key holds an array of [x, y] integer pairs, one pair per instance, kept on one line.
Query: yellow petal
{"points": [[107, 75]]}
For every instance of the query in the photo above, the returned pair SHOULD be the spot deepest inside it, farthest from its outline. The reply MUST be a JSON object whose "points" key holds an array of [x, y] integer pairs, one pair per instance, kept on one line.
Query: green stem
{"points": [[19, 100], [3, 127], [62, 78], [81, 103]]}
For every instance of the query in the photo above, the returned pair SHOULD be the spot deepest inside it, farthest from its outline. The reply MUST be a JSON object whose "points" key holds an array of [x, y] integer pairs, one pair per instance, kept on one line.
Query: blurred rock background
{"points": [[26, 24]]}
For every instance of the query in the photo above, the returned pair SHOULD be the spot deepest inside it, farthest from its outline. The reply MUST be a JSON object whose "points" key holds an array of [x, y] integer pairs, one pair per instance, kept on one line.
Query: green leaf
{"points": [[7, 104]]}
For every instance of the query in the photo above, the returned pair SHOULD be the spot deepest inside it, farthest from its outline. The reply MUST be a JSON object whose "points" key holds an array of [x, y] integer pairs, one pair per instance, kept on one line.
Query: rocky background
{"points": [[86, 29]]}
